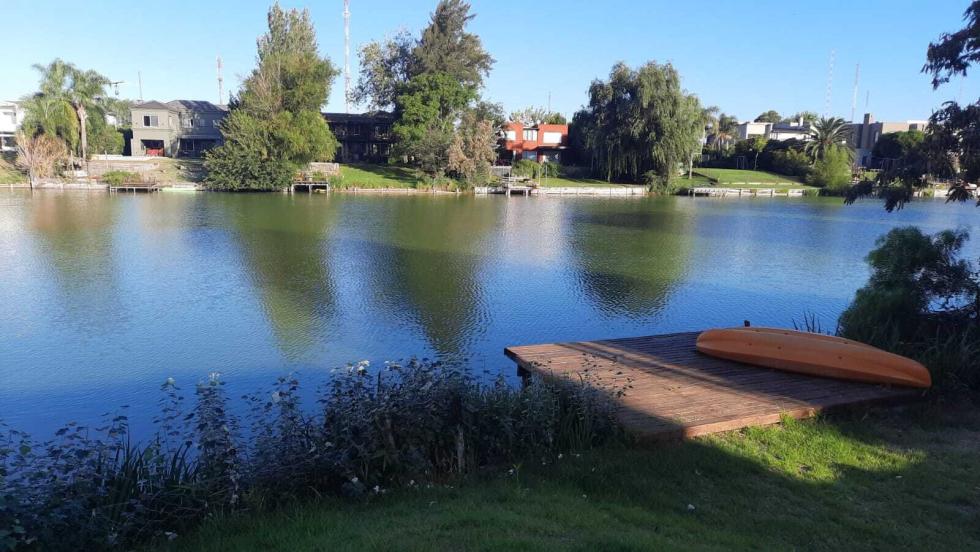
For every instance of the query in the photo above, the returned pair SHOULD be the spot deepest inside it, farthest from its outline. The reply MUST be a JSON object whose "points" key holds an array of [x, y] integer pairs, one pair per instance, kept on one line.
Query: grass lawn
{"points": [[9, 174], [377, 176], [739, 178], [562, 182], [879, 482]]}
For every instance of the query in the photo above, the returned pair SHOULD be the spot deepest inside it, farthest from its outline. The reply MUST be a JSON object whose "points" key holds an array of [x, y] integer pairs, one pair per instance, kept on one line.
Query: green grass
{"points": [[9, 174], [874, 483], [562, 182], [377, 176], [740, 178]]}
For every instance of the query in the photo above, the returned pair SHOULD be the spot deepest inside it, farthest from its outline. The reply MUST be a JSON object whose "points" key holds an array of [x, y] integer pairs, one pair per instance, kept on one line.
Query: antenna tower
{"points": [[221, 82], [830, 84], [854, 98], [347, 55]]}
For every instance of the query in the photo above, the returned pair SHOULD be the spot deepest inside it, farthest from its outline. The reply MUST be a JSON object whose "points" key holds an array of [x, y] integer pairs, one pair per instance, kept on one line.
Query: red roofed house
{"points": [[539, 142]]}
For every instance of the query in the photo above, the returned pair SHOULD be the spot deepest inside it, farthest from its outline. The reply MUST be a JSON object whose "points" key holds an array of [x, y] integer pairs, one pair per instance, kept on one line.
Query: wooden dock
{"points": [[135, 187], [673, 391]]}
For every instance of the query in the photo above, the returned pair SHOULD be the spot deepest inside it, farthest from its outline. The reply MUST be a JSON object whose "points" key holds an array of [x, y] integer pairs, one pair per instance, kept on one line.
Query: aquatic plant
{"points": [[93, 488]]}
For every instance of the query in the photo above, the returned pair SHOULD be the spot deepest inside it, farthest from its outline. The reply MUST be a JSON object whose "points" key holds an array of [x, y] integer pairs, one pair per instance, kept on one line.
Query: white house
{"points": [[778, 131], [752, 129], [11, 117]]}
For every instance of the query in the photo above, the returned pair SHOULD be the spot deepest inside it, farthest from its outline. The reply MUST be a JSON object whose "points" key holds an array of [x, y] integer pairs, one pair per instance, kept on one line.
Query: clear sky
{"points": [[743, 56]]}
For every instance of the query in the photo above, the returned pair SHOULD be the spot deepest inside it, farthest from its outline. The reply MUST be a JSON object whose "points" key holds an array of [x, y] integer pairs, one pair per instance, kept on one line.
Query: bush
{"points": [[524, 167], [832, 172], [369, 431], [922, 301], [117, 178], [790, 162]]}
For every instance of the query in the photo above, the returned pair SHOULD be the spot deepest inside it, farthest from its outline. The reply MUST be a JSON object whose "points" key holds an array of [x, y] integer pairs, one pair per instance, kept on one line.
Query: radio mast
{"points": [[347, 55], [221, 81], [854, 98]]}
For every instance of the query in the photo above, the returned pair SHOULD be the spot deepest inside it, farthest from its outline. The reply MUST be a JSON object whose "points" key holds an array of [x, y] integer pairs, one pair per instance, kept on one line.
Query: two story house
{"points": [[363, 137], [181, 128], [539, 142], [11, 117]]}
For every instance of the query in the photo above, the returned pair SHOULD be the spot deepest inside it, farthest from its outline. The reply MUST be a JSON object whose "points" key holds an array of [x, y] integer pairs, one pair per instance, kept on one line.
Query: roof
{"points": [[369, 117], [196, 105], [152, 104]]}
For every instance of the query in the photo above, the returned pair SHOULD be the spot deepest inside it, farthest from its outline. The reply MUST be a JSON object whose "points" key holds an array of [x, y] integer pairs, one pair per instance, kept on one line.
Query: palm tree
{"points": [[81, 90], [828, 133]]}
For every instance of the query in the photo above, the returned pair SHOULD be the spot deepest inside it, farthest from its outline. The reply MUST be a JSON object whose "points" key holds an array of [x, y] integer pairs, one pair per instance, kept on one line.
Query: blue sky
{"points": [[745, 56]]}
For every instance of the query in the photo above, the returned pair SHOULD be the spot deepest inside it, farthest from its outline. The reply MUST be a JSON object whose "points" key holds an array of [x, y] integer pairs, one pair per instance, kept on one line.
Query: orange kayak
{"points": [[813, 354]]}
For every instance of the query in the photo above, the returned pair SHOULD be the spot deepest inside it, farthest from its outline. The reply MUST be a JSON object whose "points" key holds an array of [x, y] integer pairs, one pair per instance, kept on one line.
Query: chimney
{"points": [[868, 118]]}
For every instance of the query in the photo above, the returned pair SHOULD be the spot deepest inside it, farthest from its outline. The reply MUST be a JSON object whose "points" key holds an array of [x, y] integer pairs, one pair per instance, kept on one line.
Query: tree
{"points": [[490, 111], [771, 116], [640, 121], [828, 133], [385, 68], [895, 145], [446, 47], [274, 126], [427, 111], [832, 171], [64, 83], [39, 155], [473, 149], [532, 115], [805, 116]]}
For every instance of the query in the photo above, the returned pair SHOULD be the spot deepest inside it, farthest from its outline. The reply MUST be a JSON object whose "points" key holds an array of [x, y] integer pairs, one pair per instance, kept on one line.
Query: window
{"points": [[510, 135], [13, 117], [188, 121], [531, 134], [551, 138], [151, 121]]}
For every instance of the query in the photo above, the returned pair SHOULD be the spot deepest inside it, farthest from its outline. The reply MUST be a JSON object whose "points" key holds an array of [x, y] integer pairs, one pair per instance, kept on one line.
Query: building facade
{"points": [[363, 137], [865, 135], [540, 142], [11, 117], [181, 128], [798, 130]]}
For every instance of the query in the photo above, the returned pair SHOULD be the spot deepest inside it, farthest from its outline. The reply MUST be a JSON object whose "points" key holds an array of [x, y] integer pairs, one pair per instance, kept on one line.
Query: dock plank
{"points": [[673, 391]]}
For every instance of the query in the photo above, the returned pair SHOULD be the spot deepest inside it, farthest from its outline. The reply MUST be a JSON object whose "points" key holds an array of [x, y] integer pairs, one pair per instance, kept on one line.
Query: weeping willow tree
{"points": [[640, 124]]}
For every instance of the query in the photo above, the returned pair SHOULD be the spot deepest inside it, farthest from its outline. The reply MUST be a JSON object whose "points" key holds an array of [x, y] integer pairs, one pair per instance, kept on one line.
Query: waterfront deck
{"points": [[135, 187], [669, 390]]}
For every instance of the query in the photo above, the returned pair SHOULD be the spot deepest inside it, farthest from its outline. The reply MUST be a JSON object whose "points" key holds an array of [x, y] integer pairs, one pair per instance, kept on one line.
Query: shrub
{"points": [[832, 172], [790, 162], [923, 301], [117, 178], [524, 167], [402, 425]]}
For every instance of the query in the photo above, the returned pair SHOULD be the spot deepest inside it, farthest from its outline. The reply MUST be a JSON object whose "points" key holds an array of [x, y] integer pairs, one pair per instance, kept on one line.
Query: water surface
{"points": [[102, 297]]}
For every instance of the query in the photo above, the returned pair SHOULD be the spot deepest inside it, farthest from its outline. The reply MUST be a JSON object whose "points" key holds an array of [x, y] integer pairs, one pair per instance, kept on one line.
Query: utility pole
{"points": [[221, 82], [139, 77], [854, 98], [347, 55]]}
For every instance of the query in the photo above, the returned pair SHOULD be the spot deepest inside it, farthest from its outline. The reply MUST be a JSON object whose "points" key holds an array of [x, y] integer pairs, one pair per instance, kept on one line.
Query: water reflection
{"points": [[77, 234], [284, 250], [629, 255], [425, 267]]}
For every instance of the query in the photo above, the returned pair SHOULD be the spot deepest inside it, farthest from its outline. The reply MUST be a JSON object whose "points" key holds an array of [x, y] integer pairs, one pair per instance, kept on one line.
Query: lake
{"points": [[103, 297]]}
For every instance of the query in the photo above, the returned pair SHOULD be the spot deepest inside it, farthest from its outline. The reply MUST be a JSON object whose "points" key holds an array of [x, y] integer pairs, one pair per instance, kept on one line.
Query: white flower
{"points": [[560, 456], [354, 479], [171, 382], [213, 377], [377, 489], [170, 535], [690, 507], [275, 397]]}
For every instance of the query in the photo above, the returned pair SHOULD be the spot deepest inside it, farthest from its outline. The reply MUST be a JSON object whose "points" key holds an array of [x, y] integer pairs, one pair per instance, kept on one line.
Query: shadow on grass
{"points": [[811, 485]]}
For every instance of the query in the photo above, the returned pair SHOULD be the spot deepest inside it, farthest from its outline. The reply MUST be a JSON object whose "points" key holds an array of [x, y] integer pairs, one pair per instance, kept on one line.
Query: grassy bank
{"points": [[881, 482], [377, 176], [741, 178], [9, 173], [563, 182]]}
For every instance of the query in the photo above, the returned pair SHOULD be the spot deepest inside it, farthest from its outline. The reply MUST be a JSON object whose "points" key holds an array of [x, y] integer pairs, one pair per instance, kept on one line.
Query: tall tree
{"points": [[274, 126], [473, 149], [771, 116], [640, 121], [385, 68], [64, 83], [427, 112], [446, 47], [828, 133]]}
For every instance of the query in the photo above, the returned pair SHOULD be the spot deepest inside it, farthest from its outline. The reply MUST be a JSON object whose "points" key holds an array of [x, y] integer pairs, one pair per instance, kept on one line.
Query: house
{"points": [[11, 117], [864, 136], [363, 137], [797, 130], [181, 128], [538, 142]]}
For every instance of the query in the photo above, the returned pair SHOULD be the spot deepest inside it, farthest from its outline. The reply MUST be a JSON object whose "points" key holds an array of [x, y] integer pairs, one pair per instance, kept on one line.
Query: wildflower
{"points": [[377, 489], [690, 507], [560, 456], [354, 480], [170, 535], [214, 376], [276, 397], [170, 382]]}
